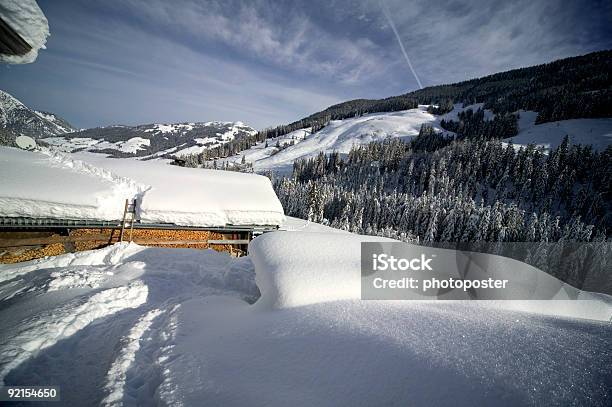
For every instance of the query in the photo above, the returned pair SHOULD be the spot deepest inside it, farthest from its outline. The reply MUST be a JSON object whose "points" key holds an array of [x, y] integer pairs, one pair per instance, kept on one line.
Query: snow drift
{"points": [[130, 325], [295, 269]]}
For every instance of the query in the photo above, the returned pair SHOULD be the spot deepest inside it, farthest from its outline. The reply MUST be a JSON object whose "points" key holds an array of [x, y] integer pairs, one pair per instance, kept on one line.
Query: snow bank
{"points": [[294, 269], [28, 20], [108, 256]]}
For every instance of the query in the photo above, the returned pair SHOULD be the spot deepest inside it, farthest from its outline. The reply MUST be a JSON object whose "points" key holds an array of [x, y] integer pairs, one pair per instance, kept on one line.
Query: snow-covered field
{"points": [[339, 135], [595, 132], [130, 325], [66, 145], [55, 185], [176, 139]]}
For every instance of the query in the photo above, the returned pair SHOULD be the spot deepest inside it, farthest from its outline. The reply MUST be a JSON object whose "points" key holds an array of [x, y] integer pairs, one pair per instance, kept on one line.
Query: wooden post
{"points": [[133, 219], [123, 223]]}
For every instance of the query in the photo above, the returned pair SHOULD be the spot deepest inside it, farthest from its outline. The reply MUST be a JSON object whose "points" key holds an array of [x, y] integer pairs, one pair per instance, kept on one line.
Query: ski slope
{"points": [[342, 135], [338, 135], [595, 132], [178, 327]]}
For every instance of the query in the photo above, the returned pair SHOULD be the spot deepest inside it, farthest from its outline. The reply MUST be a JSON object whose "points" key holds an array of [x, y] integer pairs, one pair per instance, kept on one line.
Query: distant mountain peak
{"points": [[18, 119], [154, 139]]}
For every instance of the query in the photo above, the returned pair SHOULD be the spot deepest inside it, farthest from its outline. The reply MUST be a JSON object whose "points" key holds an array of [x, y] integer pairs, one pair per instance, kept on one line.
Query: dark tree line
{"points": [[472, 190], [474, 124]]}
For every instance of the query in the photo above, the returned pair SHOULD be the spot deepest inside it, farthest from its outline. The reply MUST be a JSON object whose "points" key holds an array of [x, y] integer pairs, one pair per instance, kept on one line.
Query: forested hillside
{"points": [[472, 190], [577, 87]]}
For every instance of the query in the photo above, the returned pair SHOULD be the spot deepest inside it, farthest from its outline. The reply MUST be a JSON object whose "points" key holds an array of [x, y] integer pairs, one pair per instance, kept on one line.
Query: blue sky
{"points": [[272, 62]]}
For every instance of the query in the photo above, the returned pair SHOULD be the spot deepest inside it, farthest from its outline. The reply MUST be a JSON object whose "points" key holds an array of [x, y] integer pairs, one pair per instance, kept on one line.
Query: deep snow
{"points": [[595, 132], [175, 327], [51, 185], [193, 196], [55, 185]]}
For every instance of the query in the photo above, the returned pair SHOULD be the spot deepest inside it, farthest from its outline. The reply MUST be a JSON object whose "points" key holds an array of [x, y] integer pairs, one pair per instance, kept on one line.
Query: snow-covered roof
{"points": [[54, 185], [29, 28]]}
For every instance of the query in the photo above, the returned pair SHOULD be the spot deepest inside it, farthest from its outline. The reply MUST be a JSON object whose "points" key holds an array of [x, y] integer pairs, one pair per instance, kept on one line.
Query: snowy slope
{"points": [[260, 152], [167, 140], [595, 132], [149, 326], [55, 185], [20, 119], [341, 135]]}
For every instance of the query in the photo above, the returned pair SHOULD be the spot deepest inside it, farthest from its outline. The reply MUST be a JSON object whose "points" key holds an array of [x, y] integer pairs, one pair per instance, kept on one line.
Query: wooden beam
{"points": [[11, 43], [235, 241], [38, 241]]}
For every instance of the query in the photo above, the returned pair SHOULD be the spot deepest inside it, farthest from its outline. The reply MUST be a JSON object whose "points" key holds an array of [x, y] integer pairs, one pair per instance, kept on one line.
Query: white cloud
{"points": [[279, 37]]}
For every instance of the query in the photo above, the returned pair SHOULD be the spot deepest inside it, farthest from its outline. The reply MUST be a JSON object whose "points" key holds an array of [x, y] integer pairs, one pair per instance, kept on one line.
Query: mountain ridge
{"points": [[18, 119], [153, 140], [143, 140]]}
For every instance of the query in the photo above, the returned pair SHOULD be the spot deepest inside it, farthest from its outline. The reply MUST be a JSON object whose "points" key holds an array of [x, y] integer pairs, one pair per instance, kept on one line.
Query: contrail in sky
{"points": [[399, 40]]}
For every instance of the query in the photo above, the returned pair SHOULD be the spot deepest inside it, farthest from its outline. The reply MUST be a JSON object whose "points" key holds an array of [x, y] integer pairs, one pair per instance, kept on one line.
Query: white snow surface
{"points": [[27, 20], [55, 185], [295, 269], [595, 132], [129, 146], [176, 327], [68, 145], [338, 135], [193, 196], [117, 374]]}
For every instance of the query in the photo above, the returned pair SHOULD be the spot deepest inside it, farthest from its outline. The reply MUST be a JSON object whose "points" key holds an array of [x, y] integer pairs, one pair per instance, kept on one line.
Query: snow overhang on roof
{"points": [[23, 31], [11, 42]]}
